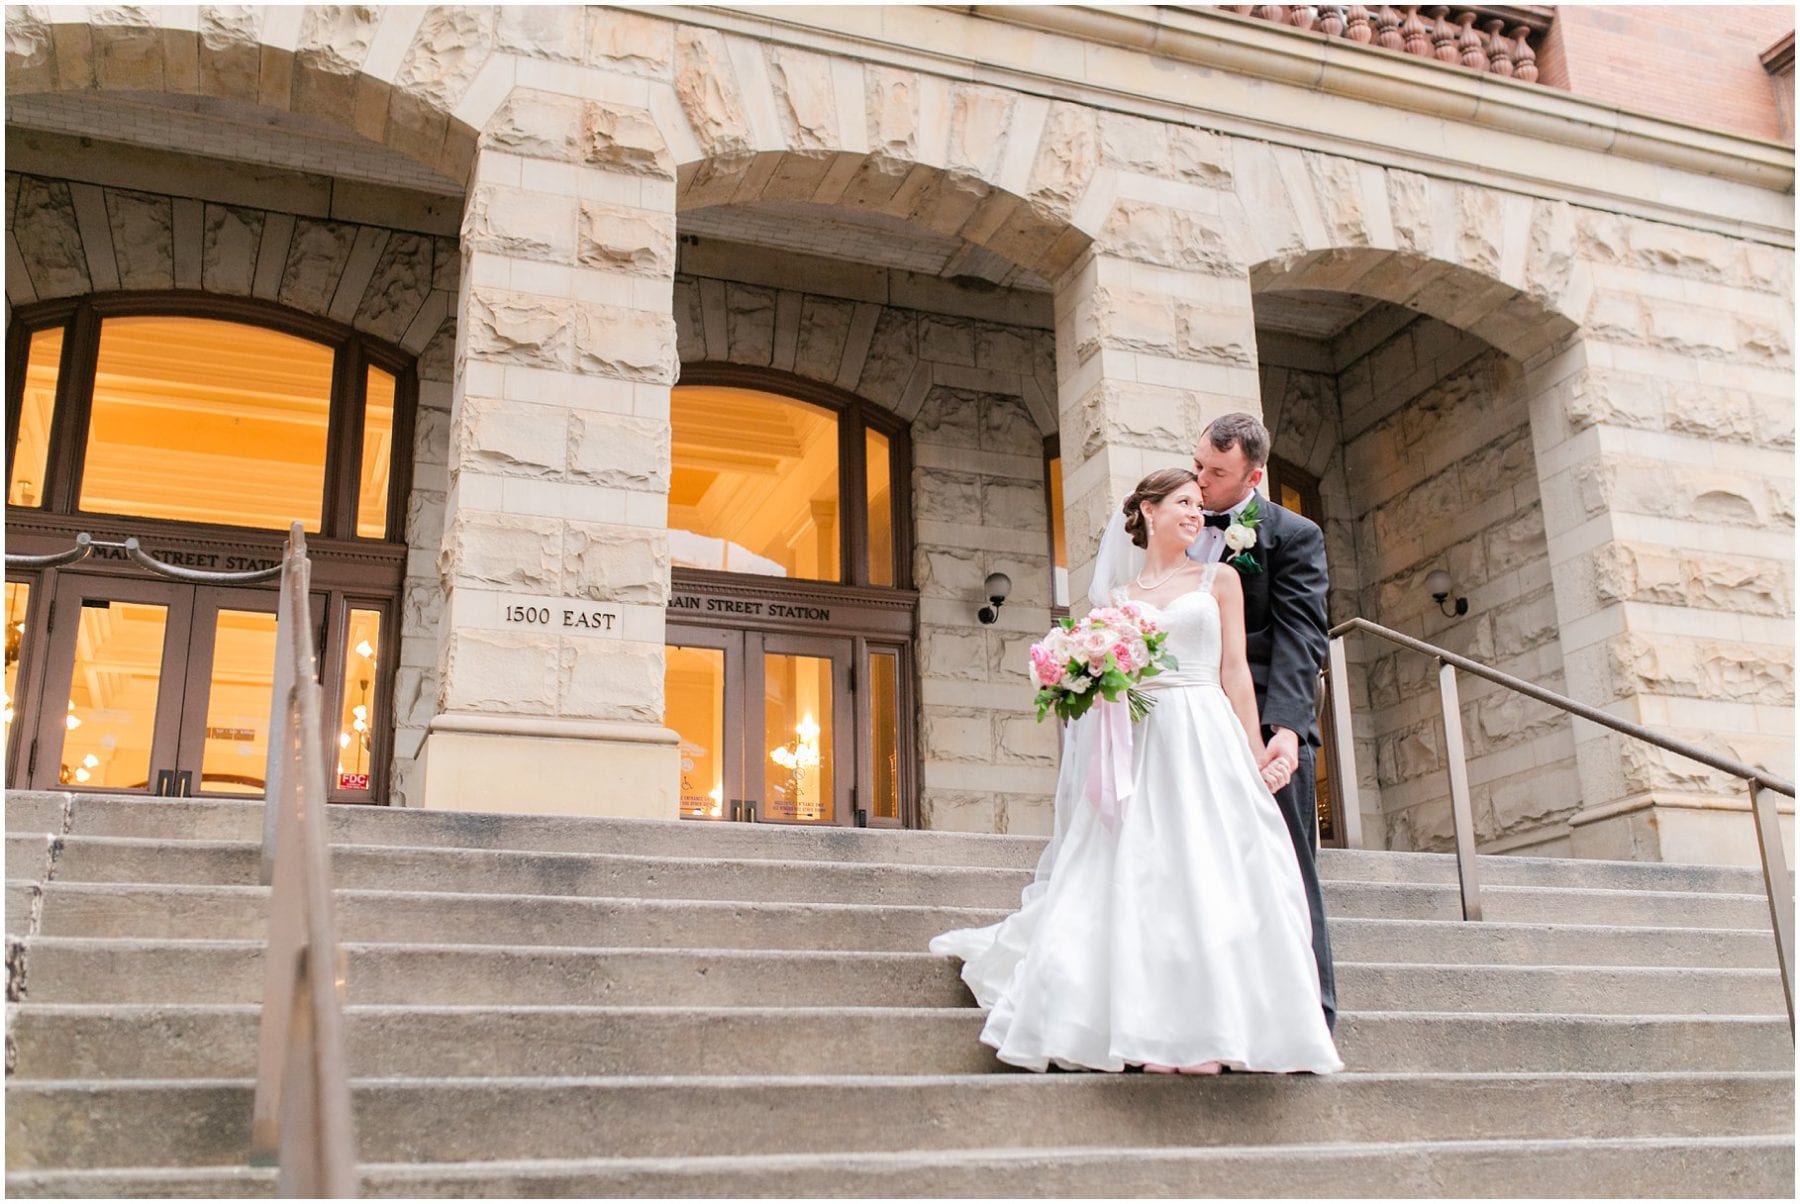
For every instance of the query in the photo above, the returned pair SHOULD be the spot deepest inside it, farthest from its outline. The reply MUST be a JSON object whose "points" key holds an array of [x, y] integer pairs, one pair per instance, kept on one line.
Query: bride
{"points": [[1179, 940]]}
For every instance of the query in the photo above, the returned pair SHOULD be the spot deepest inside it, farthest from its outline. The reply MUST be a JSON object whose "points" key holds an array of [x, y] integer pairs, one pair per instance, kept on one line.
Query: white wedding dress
{"points": [[1183, 936]]}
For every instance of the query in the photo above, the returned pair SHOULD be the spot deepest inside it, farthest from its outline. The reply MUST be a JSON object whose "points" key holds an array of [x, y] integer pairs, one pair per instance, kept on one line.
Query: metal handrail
{"points": [[1778, 881], [301, 1118]]}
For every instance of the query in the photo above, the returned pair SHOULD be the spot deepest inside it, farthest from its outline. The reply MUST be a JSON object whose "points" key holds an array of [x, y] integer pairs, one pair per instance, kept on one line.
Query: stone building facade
{"points": [[1497, 329]]}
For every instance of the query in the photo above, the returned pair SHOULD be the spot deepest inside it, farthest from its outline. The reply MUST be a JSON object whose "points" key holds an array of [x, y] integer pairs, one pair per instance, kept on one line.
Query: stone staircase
{"points": [[544, 1006]]}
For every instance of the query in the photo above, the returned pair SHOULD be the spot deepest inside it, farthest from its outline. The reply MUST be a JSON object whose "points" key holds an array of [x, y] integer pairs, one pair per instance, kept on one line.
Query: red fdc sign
{"points": [[353, 781]]}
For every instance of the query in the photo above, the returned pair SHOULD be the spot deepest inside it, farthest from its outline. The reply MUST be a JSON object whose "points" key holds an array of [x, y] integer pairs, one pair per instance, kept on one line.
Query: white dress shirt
{"points": [[1209, 545]]}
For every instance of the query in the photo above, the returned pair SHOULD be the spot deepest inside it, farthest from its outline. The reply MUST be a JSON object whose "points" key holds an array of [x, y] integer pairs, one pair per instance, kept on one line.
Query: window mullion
{"points": [[343, 449], [74, 403]]}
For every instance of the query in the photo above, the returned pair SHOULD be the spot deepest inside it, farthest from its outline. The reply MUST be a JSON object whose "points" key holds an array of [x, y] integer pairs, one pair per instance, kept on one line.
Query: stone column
{"points": [[1155, 337], [1665, 448], [555, 560]]}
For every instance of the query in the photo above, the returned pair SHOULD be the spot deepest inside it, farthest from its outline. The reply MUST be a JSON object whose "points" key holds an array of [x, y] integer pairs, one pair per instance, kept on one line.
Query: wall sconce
{"points": [[997, 586], [1438, 585]]}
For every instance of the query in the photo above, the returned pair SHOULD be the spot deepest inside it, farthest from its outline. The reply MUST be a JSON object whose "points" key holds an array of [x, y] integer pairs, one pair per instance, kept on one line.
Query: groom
{"points": [[1283, 573]]}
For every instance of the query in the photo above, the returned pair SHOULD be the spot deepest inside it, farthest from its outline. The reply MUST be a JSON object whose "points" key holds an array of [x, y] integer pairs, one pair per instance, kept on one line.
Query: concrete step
{"points": [[241, 821], [188, 913], [206, 1122], [113, 859], [1721, 1167], [85, 970], [74, 1041], [231, 820]]}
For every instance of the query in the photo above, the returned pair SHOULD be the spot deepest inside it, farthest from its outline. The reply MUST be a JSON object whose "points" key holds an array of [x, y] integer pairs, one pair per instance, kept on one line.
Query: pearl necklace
{"points": [[1166, 578]]}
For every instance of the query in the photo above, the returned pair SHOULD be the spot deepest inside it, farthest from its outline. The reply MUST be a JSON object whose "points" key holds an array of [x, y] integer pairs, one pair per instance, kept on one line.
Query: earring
{"points": [[1150, 524]]}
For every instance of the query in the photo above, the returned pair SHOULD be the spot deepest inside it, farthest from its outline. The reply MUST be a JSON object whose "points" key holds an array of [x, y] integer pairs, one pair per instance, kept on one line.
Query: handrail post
{"points": [[1779, 883], [1343, 746], [1462, 814], [274, 773]]}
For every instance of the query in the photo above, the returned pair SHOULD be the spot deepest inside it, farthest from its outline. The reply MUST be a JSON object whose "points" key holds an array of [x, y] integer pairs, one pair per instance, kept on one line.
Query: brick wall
{"points": [[1697, 63]]}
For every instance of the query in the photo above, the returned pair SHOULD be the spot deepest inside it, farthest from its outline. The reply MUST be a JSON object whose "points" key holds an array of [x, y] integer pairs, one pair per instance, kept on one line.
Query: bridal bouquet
{"points": [[1106, 653]]}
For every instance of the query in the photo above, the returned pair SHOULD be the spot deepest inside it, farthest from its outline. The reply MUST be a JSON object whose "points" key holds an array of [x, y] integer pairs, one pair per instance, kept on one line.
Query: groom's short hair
{"points": [[1242, 430]]}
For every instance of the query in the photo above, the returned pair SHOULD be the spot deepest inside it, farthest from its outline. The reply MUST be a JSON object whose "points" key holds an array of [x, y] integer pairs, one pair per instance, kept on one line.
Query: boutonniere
{"points": [[1240, 537]]}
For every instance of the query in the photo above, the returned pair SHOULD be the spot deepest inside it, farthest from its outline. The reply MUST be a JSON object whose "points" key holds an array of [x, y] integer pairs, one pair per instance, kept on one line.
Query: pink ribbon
{"points": [[1109, 783]]}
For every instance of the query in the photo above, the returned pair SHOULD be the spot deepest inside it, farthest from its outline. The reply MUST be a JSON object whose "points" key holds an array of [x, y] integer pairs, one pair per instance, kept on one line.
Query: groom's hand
{"points": [[1281, 757]]}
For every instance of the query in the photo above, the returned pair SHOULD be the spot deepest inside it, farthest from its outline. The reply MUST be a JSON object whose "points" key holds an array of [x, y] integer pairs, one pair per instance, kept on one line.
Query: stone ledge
{"points": [[1246, 107], [565, 729]]}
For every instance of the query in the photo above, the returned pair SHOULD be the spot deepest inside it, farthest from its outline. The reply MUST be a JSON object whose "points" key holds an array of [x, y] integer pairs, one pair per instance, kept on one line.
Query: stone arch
{"points": [[414, 81], [1017, 175], [75, 239], [1435, 465], [893, 357], [1499, 265]]}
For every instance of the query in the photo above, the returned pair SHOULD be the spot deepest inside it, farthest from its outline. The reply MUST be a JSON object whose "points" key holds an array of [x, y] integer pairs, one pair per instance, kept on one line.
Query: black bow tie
{"points": [[1221, 521]]}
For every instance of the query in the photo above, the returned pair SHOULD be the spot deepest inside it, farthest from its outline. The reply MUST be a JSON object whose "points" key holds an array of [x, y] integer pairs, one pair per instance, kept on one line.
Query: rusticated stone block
{"points": [[956, 811], [1739, 584], [948, 416], [1067, 158], [1150, 233], [541, 31], [621, 138], [511, 550], [30, 51], [1199, 156], [449, 48], [960, 735], [128, 50], [618, 452], [228, 251], [513, 440], [893, 354], [45, 231], [623, 41], [399, 287], [519, 328], [823, 333], [616, 564], [143, 228], [537, 125], [521, 224], [609, 679], [501, 672], [892, 104], [957, 655], [625, 343], [749, 324], [639, 242], [1007, 427], [315, 263], [805, 98], [942, 496], [980, 120], [706, 85]]}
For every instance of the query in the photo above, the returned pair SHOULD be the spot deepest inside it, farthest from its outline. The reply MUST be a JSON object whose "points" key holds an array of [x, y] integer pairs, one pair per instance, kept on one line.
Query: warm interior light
{"points": [[364, 650], [81, 775], [91, 761], [343, 739], [74, 721]]}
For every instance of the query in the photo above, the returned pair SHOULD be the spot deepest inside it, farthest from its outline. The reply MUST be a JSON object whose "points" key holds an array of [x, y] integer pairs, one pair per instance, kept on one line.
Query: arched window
{"points": [[789, 671], [203, 426], [796, 484], [199, 410]]}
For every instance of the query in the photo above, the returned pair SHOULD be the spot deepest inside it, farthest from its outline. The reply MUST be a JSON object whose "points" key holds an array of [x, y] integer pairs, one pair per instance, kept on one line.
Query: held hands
{"points": [[1280, 759]]}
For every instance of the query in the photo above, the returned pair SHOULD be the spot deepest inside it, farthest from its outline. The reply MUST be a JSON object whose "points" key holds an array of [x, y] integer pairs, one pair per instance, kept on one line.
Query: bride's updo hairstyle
{"points": [[1153, 489]]}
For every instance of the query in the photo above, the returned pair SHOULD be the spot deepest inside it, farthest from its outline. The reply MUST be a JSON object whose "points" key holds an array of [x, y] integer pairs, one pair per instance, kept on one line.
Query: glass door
{"points": [[155, 688], [109, 717], [765, 723]]}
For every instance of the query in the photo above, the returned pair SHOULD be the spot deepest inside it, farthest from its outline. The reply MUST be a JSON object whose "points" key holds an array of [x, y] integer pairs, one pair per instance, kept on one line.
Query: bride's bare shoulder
{"points": [[1226, 585]]}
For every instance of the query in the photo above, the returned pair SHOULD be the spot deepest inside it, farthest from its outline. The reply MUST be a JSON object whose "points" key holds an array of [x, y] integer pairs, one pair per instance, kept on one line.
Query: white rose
{"points": [[1238, 537]]}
